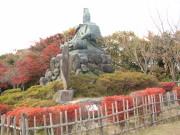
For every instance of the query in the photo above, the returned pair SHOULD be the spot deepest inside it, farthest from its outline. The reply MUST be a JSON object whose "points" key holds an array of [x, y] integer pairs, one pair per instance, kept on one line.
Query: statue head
{"points": [[86, 15]]}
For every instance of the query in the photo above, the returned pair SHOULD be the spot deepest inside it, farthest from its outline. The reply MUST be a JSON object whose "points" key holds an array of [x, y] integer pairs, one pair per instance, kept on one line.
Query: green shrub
{"points": [[11, 91], [11, 98], [84, 84], [30, 102], [43, 92], [110, 84], [123, 82]]}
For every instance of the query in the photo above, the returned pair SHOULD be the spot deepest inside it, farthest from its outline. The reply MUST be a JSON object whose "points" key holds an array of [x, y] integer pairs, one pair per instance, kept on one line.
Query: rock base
{"points": [[63, 96]]}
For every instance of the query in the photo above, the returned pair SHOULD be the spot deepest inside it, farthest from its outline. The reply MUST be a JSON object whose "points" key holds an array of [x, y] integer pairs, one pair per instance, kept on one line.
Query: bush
{"points": [[11, 91], [84, 84], [38, 112], [4, 109], [123, 82], [31, 102], [11, 98], [143, 94], [35, 96], [107, 102], [43, 92], [177, 89], [147, 92], [168, 86]]}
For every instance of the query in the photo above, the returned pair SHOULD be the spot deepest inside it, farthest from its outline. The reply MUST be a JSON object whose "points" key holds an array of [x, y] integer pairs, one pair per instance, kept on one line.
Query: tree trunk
{"points": [[172, 70]]}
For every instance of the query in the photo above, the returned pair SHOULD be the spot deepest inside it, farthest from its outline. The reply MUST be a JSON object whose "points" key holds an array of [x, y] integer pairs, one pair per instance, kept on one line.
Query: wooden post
{"points": [[23, 124], [14, 125], [93, 116], [176, 103], [2, 124], [66, 122], [34, 125], [76, 120], [150, 109], [112, 105], [106, 114], [155, 108], [51, 123], [8, 125], [137, 112], [127, 114], [117, 117], [169, 105], [143, 110], [100, 121], [145, 103], [134, 109], [152, 106], [45, 128], [81, 121], [27, 127], [61, 122]]}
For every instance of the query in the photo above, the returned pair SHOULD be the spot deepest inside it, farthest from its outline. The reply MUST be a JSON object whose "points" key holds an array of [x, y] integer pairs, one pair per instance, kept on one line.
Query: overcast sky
{"points": [[23, 22]]}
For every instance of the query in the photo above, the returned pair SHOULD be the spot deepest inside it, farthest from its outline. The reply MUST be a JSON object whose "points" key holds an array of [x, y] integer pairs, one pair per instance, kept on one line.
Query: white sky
{"points": [[22, 22]]}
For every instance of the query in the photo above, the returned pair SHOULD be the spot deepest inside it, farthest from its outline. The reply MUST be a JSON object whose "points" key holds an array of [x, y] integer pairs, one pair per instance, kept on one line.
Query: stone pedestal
{"points": [[63, 96]]}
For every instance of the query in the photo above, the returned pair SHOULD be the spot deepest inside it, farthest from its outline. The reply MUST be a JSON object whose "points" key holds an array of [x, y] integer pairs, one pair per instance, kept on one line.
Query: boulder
{"points": [[84, 68], [97, 59], [91, 58], [63, 96], [74, 61]]}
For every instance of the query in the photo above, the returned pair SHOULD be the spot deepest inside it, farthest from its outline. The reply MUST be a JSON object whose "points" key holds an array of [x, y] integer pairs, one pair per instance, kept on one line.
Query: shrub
{"points": [[147, 92], [10, 91], [84, 84], [123, 82], [107, 102], [31, 102], [11, 98], [38, 112], [168, 86], [39, 92], [4, 109], [35, 96], [177, 89], [143, 94]]}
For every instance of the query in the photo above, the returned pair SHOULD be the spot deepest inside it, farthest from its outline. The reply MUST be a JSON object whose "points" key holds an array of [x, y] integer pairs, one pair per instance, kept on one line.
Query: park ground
{"points": [[170, 128]]}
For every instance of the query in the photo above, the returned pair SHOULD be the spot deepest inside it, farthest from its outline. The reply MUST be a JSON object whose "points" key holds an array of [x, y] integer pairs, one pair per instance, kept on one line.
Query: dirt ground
{"points": [[169, 128]]}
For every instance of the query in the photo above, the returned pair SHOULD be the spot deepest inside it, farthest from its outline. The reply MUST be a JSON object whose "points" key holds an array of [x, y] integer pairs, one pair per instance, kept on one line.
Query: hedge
{"points": [[177, 89], [168, 86], [109, 103], [4, 109], [142, 96]]}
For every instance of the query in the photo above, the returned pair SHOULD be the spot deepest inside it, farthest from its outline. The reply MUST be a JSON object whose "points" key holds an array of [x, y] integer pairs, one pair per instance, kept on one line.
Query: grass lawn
{"points": [[170, 128]]}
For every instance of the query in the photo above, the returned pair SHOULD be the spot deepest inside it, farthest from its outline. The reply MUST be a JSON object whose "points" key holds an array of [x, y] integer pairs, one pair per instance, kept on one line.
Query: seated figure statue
{"points": [[86, 35]]}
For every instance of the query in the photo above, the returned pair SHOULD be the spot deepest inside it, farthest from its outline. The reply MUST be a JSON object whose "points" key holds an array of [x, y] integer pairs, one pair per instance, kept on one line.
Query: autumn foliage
{"points": [[4, 109], [116, 104], [168, 86], [177, 89], [38, 112], [24, 68], [144, 96]]}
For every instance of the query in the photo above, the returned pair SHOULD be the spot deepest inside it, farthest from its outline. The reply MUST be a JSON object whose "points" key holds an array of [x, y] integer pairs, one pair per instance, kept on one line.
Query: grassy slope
{"points": [[170, 128]]}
